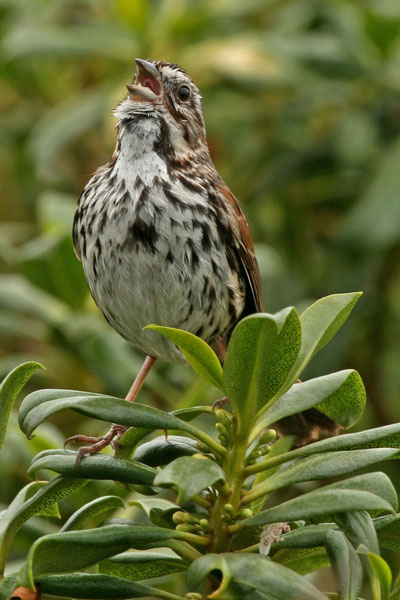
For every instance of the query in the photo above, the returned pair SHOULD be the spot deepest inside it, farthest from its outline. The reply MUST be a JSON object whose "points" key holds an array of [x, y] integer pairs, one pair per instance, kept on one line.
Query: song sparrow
{"points": [[161, 238]]}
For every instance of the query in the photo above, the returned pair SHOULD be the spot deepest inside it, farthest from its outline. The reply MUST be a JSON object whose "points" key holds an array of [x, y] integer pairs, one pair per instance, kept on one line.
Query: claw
{"points": [[81, 438], [97, 443]]}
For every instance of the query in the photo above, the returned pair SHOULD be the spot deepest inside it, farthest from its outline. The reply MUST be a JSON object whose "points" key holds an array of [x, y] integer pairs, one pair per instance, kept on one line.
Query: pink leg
{"points": [[140, 378], [220, 348], [116, 431]]}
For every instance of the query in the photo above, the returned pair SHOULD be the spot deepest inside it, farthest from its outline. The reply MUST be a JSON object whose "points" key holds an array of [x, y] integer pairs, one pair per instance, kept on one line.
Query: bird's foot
{"points": [[112, 438], [220, 403]]}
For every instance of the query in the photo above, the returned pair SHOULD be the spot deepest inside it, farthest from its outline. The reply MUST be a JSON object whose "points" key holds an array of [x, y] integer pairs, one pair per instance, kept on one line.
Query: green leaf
{"points": [[72, 550], [162, 450], [199, 355], [98, 586], [388, 530], [387, 436], [345, 563], [38, 406], [141, 565], [381, 573], [20, 510], [320, 466], [190, 413], [354, 494], [301, 560], [7, 586], [158, 510], [261, 353], [339, 395], [359, 529], [9, 390], [319, 323], [95, 512], [96, 466], [189, 475], [242, 574]]}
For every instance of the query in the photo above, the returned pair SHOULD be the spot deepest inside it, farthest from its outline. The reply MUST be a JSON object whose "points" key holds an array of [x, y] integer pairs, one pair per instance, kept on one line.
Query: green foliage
{"points": [[301, 102], [224, 519]]}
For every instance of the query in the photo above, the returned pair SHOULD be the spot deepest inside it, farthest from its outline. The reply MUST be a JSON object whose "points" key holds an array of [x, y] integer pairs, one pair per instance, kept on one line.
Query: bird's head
{"points": [[165, 91]]}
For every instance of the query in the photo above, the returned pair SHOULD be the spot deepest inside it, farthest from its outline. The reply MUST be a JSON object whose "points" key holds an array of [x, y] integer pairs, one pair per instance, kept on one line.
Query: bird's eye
{"points": [[184, 92]]}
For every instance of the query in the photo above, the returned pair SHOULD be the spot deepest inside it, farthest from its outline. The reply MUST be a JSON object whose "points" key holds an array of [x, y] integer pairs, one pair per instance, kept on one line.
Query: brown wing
{"points": [[246, 256]]}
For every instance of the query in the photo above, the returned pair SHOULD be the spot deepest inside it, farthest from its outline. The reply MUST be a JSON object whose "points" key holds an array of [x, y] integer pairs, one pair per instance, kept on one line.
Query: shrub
{"points": [[211, 501]]}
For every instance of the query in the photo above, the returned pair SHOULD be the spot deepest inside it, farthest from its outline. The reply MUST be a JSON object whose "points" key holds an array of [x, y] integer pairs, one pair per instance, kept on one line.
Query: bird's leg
{"points": [[116, 431], [220, 348]]}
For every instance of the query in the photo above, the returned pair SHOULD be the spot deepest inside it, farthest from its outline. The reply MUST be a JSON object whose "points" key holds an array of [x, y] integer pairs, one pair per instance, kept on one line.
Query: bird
{"points": [[163, 240]]}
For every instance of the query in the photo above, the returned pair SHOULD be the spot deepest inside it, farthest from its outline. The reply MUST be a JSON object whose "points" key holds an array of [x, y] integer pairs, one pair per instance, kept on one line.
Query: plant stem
{"points": [[202, 502], [206, 439], [235, 476], [183, 549], [192, 538], [235, 527], [268, 463], [258, 492]]}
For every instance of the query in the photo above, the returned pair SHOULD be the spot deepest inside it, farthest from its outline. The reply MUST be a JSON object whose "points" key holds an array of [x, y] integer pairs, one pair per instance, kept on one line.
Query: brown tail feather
{"points": [[309, 426]]}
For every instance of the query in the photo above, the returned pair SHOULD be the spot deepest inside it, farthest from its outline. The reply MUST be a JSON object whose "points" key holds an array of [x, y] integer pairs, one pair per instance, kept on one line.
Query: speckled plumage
{"points": [[161, 238]]}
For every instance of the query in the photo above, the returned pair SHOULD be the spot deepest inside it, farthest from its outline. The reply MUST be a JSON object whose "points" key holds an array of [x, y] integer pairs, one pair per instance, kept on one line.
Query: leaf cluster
{"points": [[209, 501]]}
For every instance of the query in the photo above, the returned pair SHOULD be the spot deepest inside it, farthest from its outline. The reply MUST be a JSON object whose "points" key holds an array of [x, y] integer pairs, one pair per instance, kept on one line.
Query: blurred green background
{"points": [[301, 100]]}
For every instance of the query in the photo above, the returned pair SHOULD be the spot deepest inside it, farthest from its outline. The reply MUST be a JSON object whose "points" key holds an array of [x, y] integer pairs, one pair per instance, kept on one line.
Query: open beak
{"points": [[147, 84]]}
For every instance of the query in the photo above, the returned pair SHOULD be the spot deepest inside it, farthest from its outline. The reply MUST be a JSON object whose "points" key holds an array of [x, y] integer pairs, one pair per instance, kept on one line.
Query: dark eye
{"points": [[184, 92]]}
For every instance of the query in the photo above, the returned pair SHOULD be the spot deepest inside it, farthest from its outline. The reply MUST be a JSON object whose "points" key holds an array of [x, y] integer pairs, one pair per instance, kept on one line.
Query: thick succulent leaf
{"points": [[200, 356], [96, 466], [141, 565], [20, 510], [320, 466], [7, 586], [261, 352], [309, 536], [150, 504], [301, 560], [190, 413], [98, 586], [243, 573], [359, 529], [38, 406], [339, 395], [319, 323], [383, 437], [162, 450], [9, 390], [74, 550], [158, 510], [189, 476], [130, 440], [93, 513], [380, 574], [346, 564], [354, 494], [388, 531]]}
